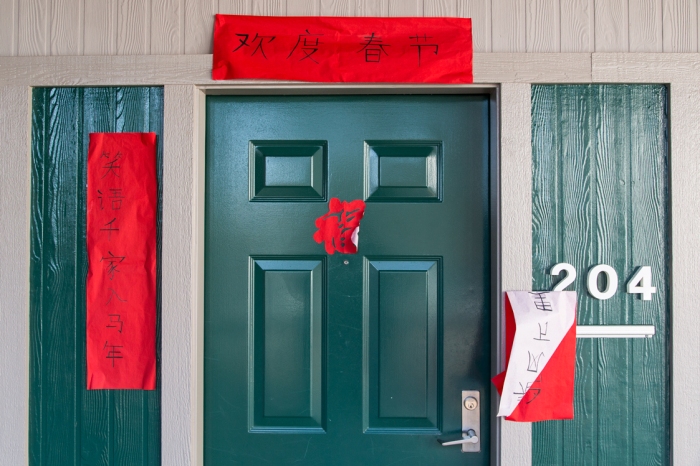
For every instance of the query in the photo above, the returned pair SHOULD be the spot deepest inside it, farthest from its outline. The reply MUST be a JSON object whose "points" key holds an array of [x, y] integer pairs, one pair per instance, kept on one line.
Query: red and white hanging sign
{"points": [[538, 383], [343, 49], [121, 247]]}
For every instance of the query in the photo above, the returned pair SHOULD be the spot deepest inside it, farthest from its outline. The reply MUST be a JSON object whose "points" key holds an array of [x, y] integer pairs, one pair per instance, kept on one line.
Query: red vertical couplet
{"points": [[343, 49], [121, 247]]}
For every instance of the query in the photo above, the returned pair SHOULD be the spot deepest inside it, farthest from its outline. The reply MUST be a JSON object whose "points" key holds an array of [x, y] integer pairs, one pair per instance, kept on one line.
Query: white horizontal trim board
{"points": [[181, 75], [555, 68], [646, 67], [615, 331], [146, 70]]}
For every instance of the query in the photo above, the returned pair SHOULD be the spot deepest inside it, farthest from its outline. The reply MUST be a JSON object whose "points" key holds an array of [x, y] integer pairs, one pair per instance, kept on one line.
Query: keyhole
{"points": [[470, 403]]}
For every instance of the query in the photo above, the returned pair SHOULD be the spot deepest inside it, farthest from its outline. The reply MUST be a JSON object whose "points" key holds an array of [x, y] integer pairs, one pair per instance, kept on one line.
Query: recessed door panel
{"points": [[287, 170], [398, 171], [287, 391]]}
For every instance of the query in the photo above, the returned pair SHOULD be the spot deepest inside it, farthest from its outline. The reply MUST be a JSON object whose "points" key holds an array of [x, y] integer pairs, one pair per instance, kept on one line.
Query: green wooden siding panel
{"points": [[600, 196], [69, 424]]}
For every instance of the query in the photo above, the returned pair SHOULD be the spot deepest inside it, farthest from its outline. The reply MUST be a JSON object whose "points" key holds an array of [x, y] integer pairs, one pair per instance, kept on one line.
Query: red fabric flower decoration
{"points": [[339, 228]]}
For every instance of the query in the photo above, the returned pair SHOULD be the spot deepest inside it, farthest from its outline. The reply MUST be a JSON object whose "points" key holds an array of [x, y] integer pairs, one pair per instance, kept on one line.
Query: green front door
{"points": [[311, 358]]}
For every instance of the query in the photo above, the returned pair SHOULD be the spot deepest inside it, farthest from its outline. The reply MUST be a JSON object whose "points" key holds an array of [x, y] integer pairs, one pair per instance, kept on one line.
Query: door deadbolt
{"points": [[471, 424], [470, 403]]}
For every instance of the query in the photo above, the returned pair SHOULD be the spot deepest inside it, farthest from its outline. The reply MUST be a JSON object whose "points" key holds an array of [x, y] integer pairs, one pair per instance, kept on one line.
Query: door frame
{"points": [[497, 321]]}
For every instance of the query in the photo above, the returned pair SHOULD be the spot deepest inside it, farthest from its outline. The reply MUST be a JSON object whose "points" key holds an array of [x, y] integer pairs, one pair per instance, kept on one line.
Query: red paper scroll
{"points": [[342, 49], [121, 246]]}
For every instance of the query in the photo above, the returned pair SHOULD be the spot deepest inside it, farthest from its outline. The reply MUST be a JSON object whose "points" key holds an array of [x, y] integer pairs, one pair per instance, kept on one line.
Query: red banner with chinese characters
{"points": [[121, 247], [342, 49]]}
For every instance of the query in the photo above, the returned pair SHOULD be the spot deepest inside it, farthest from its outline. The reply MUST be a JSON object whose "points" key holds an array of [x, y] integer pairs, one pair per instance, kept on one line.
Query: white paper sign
{"points": [[542, 320]]}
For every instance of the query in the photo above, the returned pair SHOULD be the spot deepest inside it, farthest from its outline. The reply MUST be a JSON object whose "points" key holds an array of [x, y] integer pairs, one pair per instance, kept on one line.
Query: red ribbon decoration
{"points": [[343, 49], [121, 248]]}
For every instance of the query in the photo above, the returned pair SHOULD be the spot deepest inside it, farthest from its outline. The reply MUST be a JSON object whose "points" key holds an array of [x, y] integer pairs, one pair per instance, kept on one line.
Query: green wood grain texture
{"points": [[600, 196], [70, 425]]}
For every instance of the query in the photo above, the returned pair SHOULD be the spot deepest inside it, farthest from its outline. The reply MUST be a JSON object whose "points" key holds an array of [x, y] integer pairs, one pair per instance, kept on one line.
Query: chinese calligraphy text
{"points": [[121, 248], [343, 49], [538, 383]]}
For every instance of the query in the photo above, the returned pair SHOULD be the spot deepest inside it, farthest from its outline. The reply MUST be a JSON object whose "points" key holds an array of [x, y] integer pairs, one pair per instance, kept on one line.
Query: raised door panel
{"points": [[406, 170], [288, 170], [402, 338], [287, 391]]}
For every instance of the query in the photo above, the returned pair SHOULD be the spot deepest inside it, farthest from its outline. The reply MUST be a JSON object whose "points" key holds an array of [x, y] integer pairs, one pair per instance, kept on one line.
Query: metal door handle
{"points": [[467, 437]]}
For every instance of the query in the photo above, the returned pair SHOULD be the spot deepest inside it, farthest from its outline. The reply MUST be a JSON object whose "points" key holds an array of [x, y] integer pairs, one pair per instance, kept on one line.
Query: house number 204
{"points": [[640, 283]]}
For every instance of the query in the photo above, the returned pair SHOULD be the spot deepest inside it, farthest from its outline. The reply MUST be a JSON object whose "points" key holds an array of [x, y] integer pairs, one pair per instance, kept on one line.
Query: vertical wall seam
{"points": [[629, 44], [111, 406], [594, 115], [490, 20], [15, 32], [663, 14], [558, 174], [181, 26], [147, 27], [40, 351], [114, 25], [668, 244], [559, 213], [559, 205], [35, 234], [666, 128], [47, 27], [81, 28], [44, 198], [145, 394], [629, 258], [560, 25], [78, 340], [593, 28], [525, 28], [48, 116]]}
